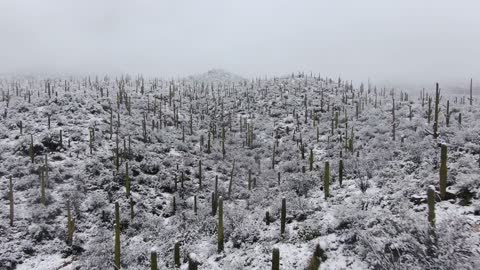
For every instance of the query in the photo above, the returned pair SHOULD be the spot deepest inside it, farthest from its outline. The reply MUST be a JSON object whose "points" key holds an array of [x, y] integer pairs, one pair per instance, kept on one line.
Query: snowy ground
{"points": [[384, 226]]}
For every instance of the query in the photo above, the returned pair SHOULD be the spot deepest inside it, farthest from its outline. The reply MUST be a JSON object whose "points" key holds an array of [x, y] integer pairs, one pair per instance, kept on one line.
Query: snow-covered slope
{"points": [[216, 76]]}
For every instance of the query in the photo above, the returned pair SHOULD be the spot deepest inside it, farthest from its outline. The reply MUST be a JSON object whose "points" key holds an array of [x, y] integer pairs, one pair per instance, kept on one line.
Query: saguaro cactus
{"points": [[273, 157], [276, 259], [117, 236], [200, 173], [283, 216], [214, 204], [249, 179], [311, 159], [326, 180], [31, 150], [231, 180], [436, 112], [393, 118], [70, 225], [176, 255], [42, 187], [431, 205], [11, 201], [443, 171], [127, 180], [340, 172], [220, 225], [153, 259]]}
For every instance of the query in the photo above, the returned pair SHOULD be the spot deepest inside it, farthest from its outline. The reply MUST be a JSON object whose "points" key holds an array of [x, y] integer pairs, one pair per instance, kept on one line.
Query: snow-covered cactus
{"points": [[230, 185], [431, 205], [214, 204], [153, 259], [42, 187], [249, 179], [117, 236], [10, 197], [273, 157], [276, 259], [436, 112], [443, 171], [283, 216], [326, 180], [176, 254], [195, 204], [127, 180], [209, 143], [220, 224], [70, 225], [200, 173], [340, 172]]}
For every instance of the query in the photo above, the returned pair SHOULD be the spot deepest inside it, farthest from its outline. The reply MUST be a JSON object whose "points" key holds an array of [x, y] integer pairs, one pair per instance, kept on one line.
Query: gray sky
{"points": [[409, 41]]}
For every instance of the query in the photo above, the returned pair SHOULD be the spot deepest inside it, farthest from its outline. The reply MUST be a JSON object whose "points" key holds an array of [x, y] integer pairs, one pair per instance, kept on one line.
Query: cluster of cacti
{"points": [[341, 142]]}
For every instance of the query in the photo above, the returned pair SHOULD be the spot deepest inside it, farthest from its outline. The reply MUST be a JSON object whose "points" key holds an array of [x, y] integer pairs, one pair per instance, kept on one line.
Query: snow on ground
{"points": [[377, 218]]}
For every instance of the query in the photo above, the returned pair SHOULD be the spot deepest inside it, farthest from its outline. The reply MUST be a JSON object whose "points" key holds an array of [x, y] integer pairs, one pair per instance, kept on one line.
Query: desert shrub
{"points": [[404, 243]]}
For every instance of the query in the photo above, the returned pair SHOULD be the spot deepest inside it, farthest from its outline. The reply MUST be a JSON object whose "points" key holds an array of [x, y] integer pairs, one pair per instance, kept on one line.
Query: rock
{"points": [[418, 199]]}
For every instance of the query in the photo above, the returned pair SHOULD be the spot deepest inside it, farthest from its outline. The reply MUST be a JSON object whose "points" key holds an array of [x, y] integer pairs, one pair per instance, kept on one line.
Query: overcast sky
{"points": [[410, 41]]}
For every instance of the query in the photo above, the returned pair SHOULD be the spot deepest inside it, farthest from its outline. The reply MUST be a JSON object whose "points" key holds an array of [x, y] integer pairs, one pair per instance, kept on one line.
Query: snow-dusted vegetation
{"points": [[220, 172]]}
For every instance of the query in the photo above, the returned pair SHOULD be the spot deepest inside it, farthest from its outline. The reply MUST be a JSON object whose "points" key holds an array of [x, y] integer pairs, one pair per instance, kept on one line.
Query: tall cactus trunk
{"points": [[117, 236], [436, 112], [176, 254], [276, 259], [11, 201], [220, 225], [153, 260], [443, 171], [340, 172], [283, 216], [326, 180]]}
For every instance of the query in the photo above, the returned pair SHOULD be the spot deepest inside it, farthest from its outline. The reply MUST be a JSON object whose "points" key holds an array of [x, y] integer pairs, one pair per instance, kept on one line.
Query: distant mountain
{"points": [[216, 76]]}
